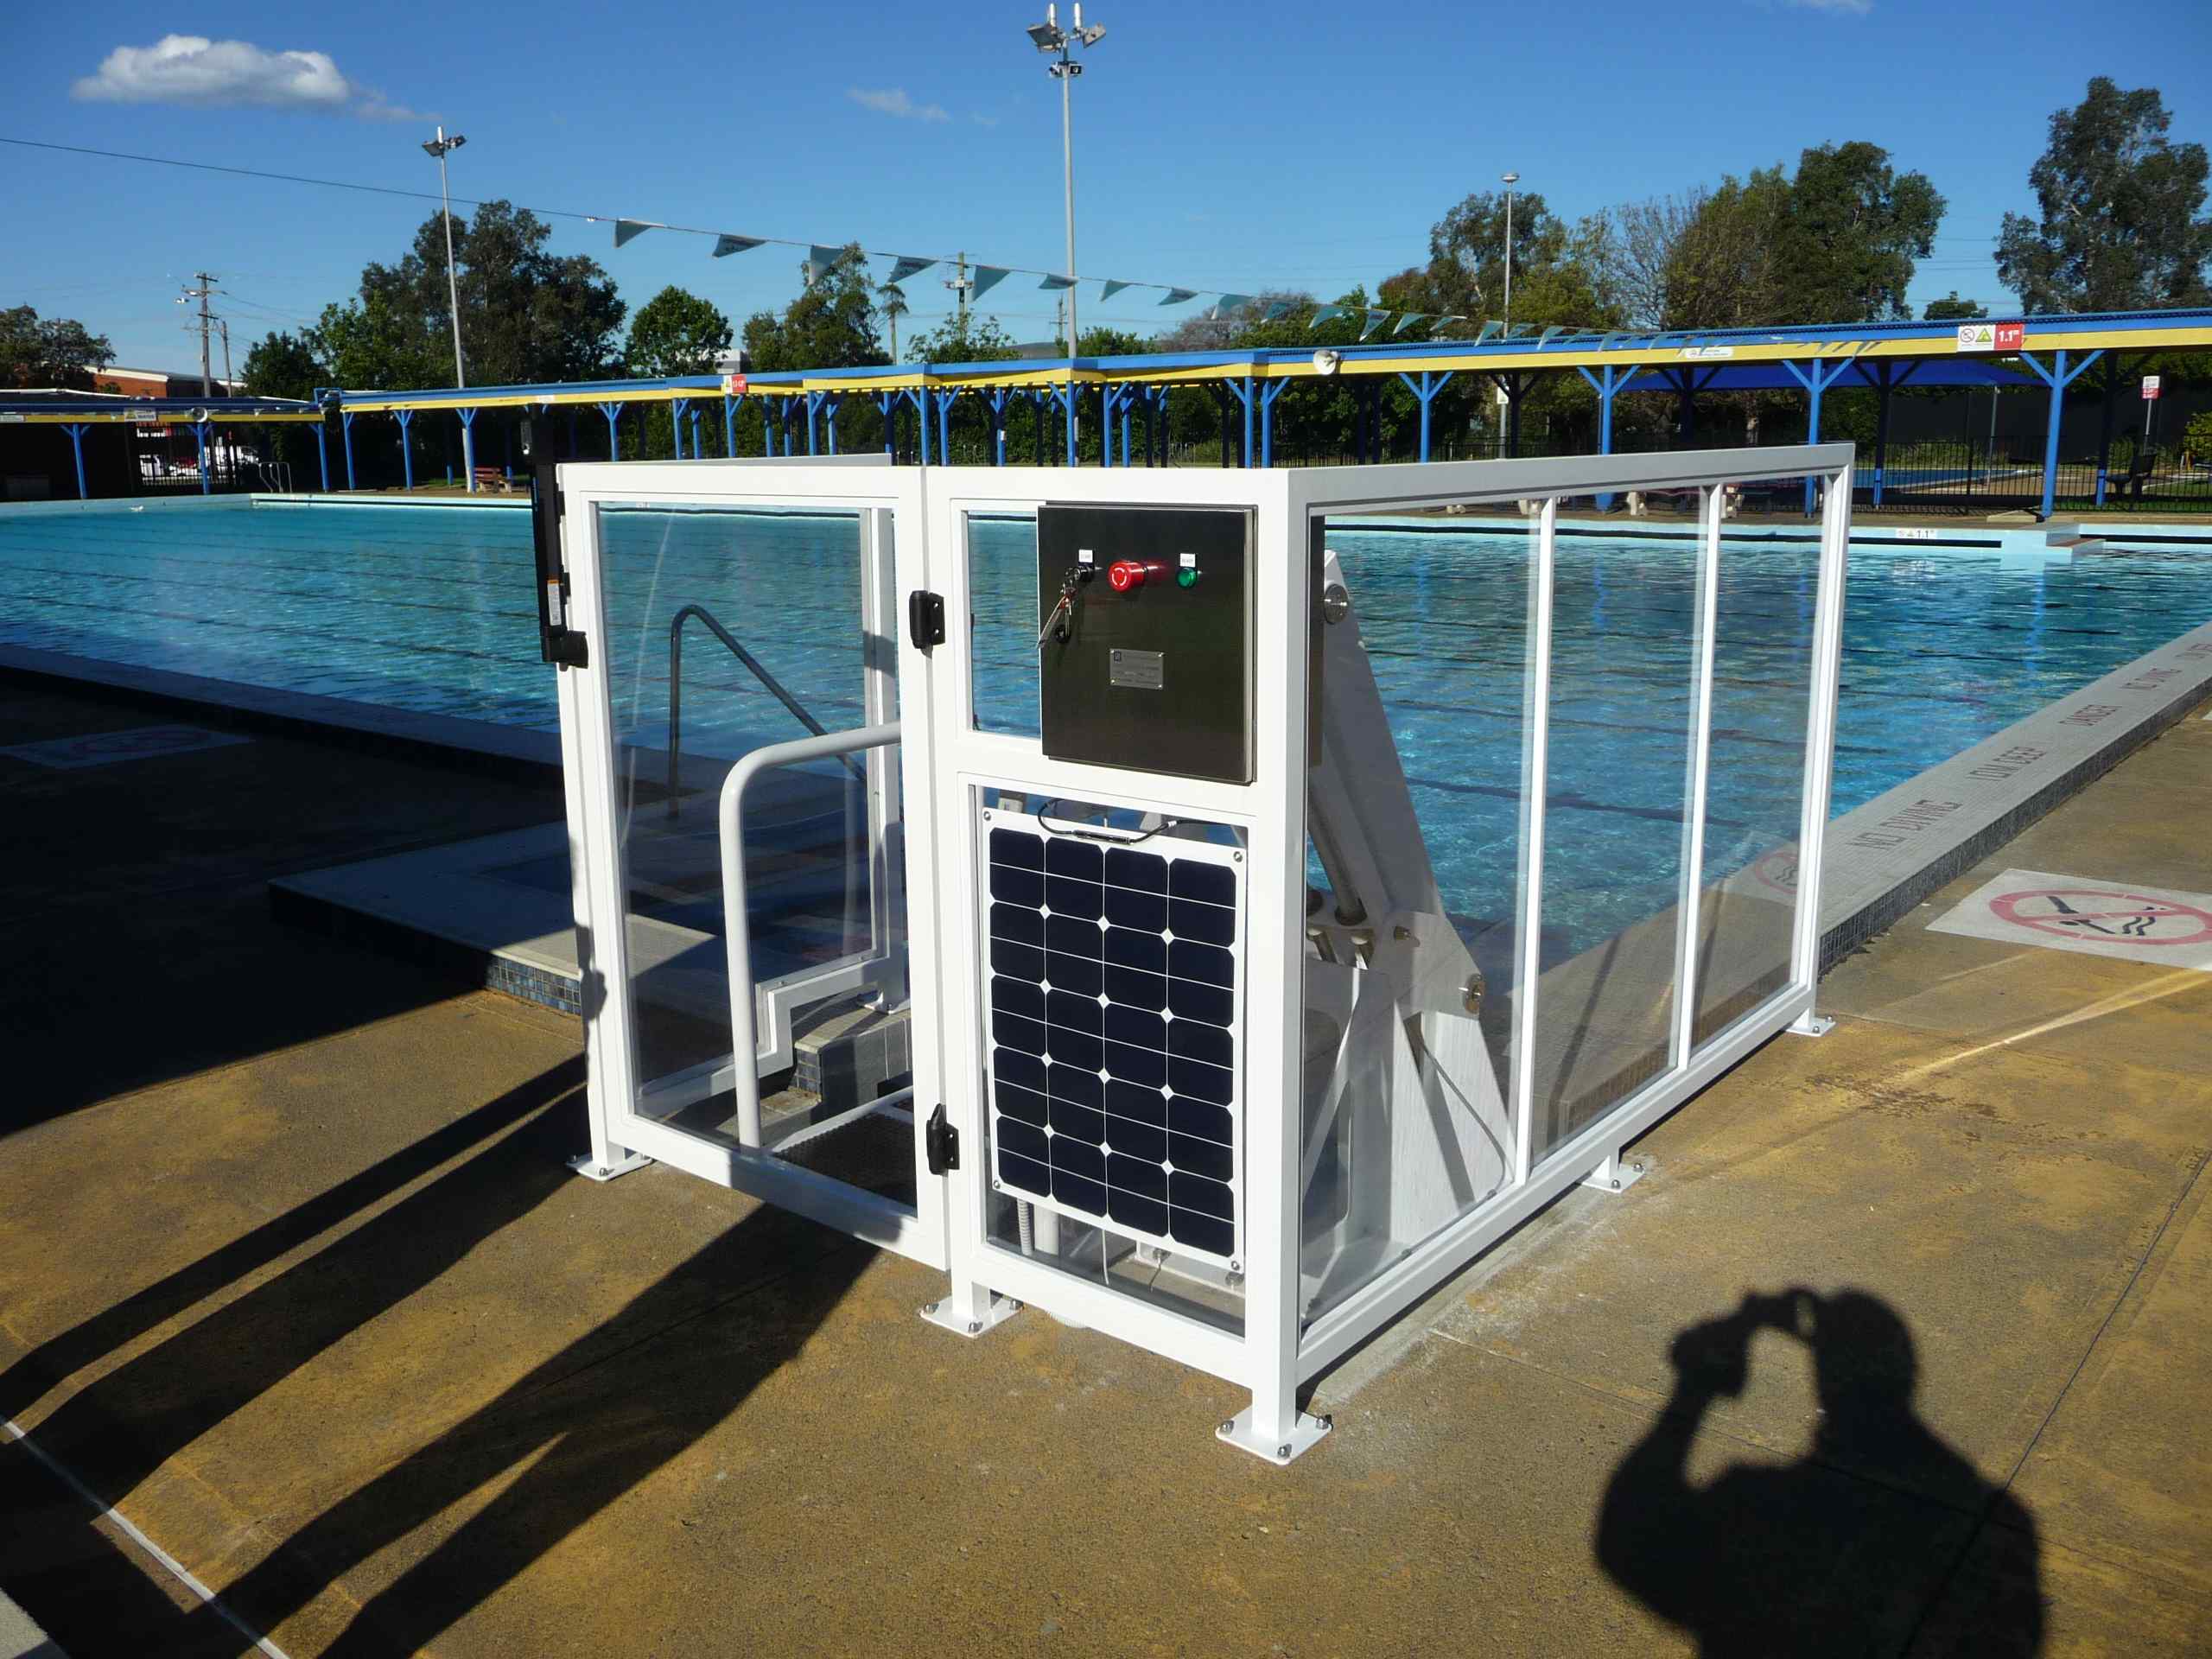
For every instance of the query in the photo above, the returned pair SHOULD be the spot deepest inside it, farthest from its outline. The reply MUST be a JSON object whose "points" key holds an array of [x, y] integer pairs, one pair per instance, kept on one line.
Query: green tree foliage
{"points": [[833, 324], [58, 352], [674, 333], [1845, 248], [1951, 308], [1720, 270], [281, 365], [2196, 437], [971, 338], [2120, 224], [527, 316], [1558, 269]]}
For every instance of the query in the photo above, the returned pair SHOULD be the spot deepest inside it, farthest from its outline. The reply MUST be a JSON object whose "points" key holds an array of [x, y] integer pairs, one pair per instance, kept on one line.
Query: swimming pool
{"points": [[431, 610]]}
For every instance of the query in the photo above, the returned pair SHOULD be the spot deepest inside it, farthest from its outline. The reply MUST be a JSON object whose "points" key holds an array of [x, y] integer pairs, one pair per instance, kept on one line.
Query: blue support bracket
{"points": [[406, 418], [730, 424], [678, 407], [1816, 377], [1426, 389], [813, 408], [76, 432], [345, 434], [1268, 392], [323, 455], [1243, 391], [2058, 377], [613, 413], [887, 401], [943, 397], [199, 432], [467, 418], [996, 396], [1611, 380]]}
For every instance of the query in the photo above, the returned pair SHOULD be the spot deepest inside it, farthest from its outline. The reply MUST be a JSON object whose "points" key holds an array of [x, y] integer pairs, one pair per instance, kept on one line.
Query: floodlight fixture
{"points": [[442, 146], [1058, 44], [1327, 360]]}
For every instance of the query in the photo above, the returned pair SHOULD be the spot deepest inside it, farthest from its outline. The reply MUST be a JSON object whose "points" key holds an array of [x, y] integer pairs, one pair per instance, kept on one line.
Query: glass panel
{"points": [[1762, 687], [728, 630], [1002, 635], [1623, 681], [1415, 810]]}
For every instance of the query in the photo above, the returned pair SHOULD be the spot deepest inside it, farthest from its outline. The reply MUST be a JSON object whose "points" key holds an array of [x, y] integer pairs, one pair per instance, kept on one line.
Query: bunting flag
{"points": [[725, 245], [1112, 287], [1177, 296], [1550, 334], [987, 278], [625, 229], [1375, 319], [1443, 323], [819, 259], [1053, 284], [906, 265], [1489, 329], [1407, 321], [1276, 308], [1323, 313], [1229, 305]]}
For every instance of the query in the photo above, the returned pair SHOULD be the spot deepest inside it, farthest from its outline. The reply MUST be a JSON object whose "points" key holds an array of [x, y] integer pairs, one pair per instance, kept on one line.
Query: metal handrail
{"points": [[744, 1022], [752, 663]]}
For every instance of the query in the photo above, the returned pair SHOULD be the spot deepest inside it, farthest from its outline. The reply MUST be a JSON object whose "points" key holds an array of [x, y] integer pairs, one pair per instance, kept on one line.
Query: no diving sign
{"points": [[2103, 919]]}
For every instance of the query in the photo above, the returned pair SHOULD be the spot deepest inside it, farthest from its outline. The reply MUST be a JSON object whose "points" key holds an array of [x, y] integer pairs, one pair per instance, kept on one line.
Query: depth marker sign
{"points": [[2103, 919]]}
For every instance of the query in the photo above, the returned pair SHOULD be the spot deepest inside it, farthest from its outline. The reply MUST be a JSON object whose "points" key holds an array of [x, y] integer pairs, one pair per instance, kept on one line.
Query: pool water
{"points": [[432, 610]]}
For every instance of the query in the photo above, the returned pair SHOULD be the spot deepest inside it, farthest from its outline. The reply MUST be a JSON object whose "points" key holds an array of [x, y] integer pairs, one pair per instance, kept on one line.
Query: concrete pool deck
{"points": [[292, 1275]]}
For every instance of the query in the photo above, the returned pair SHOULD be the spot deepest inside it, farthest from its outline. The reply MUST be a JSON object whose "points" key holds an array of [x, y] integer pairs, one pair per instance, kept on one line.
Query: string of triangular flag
{"points": [[822, 259]]}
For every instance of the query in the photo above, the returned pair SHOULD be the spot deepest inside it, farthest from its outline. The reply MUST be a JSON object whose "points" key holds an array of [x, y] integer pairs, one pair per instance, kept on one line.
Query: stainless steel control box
{"points": [[1147, 618]]}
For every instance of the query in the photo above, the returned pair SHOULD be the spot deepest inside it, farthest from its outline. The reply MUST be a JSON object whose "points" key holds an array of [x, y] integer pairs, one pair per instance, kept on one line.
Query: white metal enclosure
{"points": [[1233, 1057]]}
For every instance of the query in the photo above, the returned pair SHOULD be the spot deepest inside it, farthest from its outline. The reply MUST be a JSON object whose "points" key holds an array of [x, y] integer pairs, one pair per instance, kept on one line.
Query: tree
{"points": [[674, 333], [281, 365], [2120, 224], [1638, 241], [527, 316], [1951, 308], [1720, 269], [1557, 269], [59, 351], [831, 325], [1845, 248], [891, 301], [963, 338]]}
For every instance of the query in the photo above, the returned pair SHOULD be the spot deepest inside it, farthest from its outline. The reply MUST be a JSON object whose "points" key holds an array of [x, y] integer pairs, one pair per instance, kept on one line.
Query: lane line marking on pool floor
{"points": [[2162, 926], [175, 1569]]}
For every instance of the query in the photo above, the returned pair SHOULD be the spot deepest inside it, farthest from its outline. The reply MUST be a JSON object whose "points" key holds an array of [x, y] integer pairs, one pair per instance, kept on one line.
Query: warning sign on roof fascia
{"points": [[1992, 336]]}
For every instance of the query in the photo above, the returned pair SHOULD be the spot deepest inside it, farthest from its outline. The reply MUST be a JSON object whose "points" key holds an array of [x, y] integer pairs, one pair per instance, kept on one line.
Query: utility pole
{"points": [[206, 320], [962, 285], [1059, 45], [225, 323], [1509, 179], [441, 147]]}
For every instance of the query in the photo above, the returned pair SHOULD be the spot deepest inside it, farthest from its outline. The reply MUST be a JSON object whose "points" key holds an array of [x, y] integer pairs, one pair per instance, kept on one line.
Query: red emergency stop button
{"points": [[1125, 575]]}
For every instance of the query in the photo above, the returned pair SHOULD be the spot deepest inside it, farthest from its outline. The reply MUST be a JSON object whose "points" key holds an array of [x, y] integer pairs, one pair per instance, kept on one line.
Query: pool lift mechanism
{"points": [[1166, 1081]]}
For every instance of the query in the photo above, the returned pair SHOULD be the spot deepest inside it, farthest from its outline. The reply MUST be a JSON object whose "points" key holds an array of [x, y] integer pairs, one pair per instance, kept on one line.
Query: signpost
{"points": [[2150, 400]]}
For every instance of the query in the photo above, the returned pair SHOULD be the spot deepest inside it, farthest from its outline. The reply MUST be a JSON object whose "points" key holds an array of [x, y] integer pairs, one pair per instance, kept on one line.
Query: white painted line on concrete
{"points": [[2096, 917], [175, 1569]]}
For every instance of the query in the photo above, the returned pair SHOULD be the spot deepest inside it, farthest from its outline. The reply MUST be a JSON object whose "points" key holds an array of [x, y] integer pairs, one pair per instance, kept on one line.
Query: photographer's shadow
{"points": [[1845, 1550]]}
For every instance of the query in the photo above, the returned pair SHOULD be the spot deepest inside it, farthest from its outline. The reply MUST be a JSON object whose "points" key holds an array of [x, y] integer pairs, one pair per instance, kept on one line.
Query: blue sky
{"points": [[1300, 145]]}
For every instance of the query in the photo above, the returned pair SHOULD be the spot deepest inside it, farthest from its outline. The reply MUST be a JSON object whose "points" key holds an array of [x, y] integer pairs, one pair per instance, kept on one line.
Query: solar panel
{"points": [[1111, 1006]]}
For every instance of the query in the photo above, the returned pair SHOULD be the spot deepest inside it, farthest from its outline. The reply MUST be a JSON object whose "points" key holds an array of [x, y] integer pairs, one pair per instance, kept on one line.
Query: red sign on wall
{"points": [[2011, 336]]}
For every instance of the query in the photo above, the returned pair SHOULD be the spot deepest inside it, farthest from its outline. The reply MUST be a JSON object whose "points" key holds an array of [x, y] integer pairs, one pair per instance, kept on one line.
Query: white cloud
{"points": [[193, 69], [893, 100]]}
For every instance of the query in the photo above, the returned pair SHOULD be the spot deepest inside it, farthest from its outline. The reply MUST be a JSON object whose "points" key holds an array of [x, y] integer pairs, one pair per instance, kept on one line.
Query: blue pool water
{"points": [[431, 610]]}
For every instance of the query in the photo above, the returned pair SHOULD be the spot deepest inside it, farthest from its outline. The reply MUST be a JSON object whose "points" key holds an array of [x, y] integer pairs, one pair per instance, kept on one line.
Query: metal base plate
{"points": [[1304, 1434], [582, 1164], [1615, 1175], [947, 1314], [1810, 1025]]}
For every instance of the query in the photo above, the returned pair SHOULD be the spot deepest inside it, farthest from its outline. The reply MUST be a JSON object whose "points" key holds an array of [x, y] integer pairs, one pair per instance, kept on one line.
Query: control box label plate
{"points": [[1147, 670]]}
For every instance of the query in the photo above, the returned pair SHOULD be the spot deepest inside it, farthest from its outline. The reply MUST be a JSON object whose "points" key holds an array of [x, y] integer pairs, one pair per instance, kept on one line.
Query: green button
{"points": [[1186, 577]]}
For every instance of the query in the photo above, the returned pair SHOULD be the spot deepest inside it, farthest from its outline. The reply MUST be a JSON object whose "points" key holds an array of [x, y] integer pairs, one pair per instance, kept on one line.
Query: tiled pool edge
{"points": [[1883, 858]]}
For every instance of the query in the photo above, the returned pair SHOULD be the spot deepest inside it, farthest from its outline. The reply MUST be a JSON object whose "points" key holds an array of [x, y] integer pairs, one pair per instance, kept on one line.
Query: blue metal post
{"points": [[813, 407], [612, 412], [1245, 397], [199, 432], [1269, 393], [886, 401], [677, 407], [1067, 404], [2058, 377], [1105, 423], [77, 447], [345, 434], [1816, 377], [730, 424], [406, 418], [696, 451], [468, 446], [1128, 397], [322, 455], [996, 396], [944, 399], [1610, 381], [1425, 390], [768, 424]]}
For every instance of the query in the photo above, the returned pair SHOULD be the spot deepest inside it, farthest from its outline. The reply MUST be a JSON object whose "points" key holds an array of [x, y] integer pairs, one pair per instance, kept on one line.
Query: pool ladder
{"points": [[753, 666]]}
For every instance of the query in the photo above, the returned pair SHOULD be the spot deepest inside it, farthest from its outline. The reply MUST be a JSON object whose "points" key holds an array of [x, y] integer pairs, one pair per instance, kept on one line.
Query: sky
{"points": [[1298, 146]]}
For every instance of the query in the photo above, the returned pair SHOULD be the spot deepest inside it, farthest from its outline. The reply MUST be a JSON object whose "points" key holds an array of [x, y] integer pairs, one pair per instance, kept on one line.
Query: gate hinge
{"points": [[941, 1143], [925, 617], [557, 642]]}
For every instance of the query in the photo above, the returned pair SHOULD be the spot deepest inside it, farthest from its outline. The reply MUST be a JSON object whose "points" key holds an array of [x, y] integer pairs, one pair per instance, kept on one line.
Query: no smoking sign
{"points": [[2064, 912]]}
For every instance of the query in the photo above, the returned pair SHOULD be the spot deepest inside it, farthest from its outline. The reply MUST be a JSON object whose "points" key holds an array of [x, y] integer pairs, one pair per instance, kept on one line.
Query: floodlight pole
{"points": [[1060, 44], [1509, 179], [441, 147]]}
